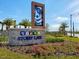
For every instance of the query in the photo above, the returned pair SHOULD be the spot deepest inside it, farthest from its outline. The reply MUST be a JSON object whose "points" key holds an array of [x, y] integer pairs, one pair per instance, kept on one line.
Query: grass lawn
{"points": [[74, 39], [6, 54]]}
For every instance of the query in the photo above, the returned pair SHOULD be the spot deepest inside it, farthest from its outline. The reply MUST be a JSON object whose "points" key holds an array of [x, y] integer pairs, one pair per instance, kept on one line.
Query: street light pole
{"points": [[71, 24], [73, 29]]}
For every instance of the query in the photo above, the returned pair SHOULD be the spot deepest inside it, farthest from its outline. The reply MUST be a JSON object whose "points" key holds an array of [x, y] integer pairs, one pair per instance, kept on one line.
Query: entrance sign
{"points": [[35, 35], [25, 36], [38, 15]]}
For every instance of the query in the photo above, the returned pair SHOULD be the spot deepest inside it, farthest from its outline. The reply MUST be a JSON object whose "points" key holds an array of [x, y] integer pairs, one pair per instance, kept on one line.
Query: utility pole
{"points": [[71, 24], [73, 29]]}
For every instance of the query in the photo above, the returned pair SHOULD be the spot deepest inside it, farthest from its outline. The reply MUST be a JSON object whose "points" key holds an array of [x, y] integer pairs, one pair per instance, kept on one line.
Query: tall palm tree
{"points": [[8, 22], [63, 27], [14, 23], [25, 23]]}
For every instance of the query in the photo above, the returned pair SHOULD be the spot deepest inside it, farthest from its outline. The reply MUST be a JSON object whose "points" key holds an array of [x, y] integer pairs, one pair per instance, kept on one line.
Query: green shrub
{"points": [[3, 38], [52, 40]]}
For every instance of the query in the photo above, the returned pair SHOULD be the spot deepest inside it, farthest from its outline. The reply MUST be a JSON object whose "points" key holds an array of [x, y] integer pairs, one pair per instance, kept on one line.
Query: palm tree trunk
{"points": [[7, 27], [14, 26], [25, 26], [2, 27]]}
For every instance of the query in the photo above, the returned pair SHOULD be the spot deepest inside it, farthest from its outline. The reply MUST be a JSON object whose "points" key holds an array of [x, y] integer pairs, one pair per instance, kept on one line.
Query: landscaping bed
{"points": [[62, 48]]}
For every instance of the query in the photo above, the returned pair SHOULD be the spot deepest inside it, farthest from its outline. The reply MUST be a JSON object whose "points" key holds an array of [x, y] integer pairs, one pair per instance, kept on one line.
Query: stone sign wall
{"points": [[25, 36]]}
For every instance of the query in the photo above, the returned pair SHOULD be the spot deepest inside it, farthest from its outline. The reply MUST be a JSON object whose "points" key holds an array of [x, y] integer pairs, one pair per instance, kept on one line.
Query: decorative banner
{"points": [[38, 15]]}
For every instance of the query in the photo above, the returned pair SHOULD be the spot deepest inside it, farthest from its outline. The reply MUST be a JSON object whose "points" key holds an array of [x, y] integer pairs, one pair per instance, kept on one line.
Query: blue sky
{"points": [[56, 11]]}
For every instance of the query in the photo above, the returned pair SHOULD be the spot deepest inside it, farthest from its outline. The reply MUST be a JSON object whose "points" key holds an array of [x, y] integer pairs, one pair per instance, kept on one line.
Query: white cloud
{"points": [[75, 11], [58, 20], [75, 18], [73, 7], [73, 4], [54, 27], [61, 19]]}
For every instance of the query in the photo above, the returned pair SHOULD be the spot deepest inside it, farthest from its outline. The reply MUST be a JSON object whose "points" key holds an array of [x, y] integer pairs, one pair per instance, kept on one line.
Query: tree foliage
{"points": [[25, 23], [62, 28], [8, 22]]}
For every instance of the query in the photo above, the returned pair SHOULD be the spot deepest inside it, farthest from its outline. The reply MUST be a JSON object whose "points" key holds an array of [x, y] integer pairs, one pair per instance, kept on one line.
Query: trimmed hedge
{"points": [[53, 40]]}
